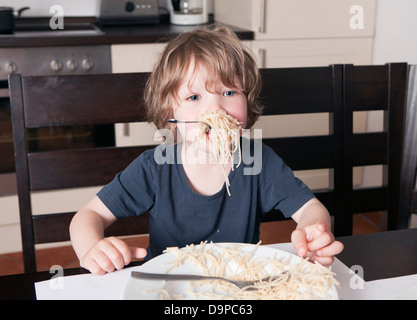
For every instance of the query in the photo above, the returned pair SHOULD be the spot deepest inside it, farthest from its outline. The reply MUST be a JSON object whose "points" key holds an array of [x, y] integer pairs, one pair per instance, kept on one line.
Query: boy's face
{"points": [[196, 97]]}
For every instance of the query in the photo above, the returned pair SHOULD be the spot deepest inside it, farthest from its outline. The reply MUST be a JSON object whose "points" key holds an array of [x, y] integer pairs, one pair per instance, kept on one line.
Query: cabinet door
{"points": [[134, 58], [318, 52], [299, 19], [136, 134]]}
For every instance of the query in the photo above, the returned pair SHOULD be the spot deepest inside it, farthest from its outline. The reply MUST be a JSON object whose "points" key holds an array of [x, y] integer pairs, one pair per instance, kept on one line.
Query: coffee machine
{"points": [[188, 12]]}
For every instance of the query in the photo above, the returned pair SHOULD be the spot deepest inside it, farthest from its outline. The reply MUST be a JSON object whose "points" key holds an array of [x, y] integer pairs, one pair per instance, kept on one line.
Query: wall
{"points": [[395, 41], [396, 32]]}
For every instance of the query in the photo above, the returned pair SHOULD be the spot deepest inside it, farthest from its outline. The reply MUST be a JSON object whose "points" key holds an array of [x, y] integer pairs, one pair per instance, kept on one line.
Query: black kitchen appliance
{"points": [[7, 16], [45, 60]]}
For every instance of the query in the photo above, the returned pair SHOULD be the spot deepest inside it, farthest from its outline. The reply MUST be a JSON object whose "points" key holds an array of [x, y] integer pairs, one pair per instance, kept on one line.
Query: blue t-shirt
{"points": [[156, 182]]}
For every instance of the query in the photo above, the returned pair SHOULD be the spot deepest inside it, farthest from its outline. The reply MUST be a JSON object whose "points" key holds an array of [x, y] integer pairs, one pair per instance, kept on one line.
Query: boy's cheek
{"points": [[189, 133], [242, 118]]}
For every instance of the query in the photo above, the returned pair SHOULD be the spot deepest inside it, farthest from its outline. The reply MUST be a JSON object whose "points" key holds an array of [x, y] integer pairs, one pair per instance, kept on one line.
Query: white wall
{"points": [[395, 41], [396, 32]]}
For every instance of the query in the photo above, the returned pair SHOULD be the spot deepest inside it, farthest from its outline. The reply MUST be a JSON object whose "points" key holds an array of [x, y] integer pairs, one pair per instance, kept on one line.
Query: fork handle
{"points": [[171, 277], [183, 121]]}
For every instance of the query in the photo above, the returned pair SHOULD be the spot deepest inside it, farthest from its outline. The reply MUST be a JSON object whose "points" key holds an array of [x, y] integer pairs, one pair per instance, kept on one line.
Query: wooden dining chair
{"points": [[57, 101], [334, 90], [408, 189], [309, 91], [340, 91], [371, 88]]}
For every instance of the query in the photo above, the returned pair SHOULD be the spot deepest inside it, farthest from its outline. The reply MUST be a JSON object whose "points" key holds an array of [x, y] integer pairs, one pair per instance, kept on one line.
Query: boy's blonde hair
{"points": [[220, 52]]}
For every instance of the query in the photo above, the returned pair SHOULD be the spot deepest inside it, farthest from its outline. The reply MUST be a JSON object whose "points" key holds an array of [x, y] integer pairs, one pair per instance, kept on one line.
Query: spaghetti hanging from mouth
{"points": [[224, 136]]}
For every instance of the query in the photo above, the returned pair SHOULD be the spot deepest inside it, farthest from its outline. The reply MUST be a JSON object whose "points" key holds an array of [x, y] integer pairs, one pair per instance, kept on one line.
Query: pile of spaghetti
{"points": [[224, 136], [302, 280]]}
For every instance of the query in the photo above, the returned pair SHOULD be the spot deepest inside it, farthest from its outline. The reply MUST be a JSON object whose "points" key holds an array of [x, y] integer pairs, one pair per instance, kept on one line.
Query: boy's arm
{"points": [[313, 237], [88, 225], [96, 253]]}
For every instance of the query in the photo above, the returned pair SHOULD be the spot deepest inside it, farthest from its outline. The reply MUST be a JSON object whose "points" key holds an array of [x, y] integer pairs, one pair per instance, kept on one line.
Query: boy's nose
{"points": [[217, 108], [214, 105]]}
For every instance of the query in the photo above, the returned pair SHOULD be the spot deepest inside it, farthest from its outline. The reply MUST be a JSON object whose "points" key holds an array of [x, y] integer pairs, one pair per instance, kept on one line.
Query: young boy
{"points": [[198, 72]]}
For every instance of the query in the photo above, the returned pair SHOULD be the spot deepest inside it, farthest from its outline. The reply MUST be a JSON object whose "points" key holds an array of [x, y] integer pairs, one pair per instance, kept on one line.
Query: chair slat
{"points": [[58, 231], [370, 149], [370, 88], [324, 196], [93, 167], [304, 153], [56, 224], [297, 90], [81, 97], [369, 199]]}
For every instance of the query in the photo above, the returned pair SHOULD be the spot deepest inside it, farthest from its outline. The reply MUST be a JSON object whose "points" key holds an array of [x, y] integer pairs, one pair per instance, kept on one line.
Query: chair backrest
{"points": [[309, 91], [56, 101], [338, 90], [370, 88], [341, 90], [408, 191]]}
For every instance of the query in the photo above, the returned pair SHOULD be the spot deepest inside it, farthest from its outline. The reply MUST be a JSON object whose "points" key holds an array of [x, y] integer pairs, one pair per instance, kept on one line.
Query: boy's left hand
{"points": [[317, 243]]}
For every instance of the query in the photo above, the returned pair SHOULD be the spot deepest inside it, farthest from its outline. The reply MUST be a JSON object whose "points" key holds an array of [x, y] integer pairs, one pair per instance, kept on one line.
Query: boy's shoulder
{"points": [[256, 145], [161, 154]]}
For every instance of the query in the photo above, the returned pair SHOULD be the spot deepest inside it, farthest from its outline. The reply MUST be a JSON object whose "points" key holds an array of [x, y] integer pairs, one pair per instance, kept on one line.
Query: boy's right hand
{"points": [[110, 254]]}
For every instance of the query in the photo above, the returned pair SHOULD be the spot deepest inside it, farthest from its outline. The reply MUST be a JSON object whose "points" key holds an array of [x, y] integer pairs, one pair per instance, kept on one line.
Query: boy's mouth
{"points": [[208, 127], [223, 138]]}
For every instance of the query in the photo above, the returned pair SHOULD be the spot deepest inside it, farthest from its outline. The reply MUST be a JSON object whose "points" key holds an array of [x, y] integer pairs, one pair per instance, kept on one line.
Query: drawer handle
{"points": [[262, 17]]}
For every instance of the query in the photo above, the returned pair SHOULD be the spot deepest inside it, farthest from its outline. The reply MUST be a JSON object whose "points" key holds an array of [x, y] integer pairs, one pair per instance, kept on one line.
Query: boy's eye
{"points": [[194, 97], [229, 93]]}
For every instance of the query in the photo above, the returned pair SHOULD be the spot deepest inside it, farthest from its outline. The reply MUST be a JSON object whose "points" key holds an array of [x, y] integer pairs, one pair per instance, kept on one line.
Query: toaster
{"points": [[115, 12]]}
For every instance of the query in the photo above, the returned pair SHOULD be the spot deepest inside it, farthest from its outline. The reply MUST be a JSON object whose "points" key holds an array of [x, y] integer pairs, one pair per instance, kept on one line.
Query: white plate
{"points": [[139, 289], [409, 293]]}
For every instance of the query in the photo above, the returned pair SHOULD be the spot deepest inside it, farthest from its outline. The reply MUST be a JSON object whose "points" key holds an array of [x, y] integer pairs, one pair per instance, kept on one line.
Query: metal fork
{"points": [[191, 277], [189, 121]]}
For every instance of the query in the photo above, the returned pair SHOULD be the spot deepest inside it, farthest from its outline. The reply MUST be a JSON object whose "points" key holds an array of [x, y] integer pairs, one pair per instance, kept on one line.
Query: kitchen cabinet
{"points": [[303, 32], [134, 58], [312, 52], [299, 19]]}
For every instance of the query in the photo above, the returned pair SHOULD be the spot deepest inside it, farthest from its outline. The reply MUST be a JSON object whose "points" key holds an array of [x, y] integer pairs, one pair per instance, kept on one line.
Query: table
{"points": [[380, 255], [383, 254]]}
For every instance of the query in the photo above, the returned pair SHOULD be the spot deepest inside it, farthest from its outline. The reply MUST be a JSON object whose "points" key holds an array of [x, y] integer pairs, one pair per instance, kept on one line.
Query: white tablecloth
{"points": [[110, 286]]}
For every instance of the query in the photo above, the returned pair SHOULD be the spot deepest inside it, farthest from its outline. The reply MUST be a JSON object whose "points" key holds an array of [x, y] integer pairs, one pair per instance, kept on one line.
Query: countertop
{"points": [[94, 35]]}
